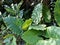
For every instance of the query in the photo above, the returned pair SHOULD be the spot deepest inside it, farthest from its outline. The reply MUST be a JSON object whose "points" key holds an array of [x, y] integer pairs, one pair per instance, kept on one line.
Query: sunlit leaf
{"points": [[53, 32], [49, 42], [37, 27], [10, 40], [13, 41], [26, 24], [7, 39], [37, 13]]}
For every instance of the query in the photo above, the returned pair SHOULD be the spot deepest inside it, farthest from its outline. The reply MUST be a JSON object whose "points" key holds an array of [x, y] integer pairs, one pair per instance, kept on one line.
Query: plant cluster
{"points": [[42, 28]]}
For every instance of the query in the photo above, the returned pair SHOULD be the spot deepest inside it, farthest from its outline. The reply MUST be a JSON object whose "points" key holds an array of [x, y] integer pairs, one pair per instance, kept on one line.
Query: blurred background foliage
{"points": [[29, 22]]}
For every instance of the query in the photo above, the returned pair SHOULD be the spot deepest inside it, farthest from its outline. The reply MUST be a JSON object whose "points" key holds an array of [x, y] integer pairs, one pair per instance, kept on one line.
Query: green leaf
{"points": [[7, 36], [0, 43], [14, 24], [37, 27], [53, 32], [1, 18], [57, 12], [10, 10], [19, 5], [31, 36], [49, 42], [13, 41], [26, 24], [7, 42], [37, 13], [28, 44], [10, 40], [46, 14], [57, 41], [7, 39]]}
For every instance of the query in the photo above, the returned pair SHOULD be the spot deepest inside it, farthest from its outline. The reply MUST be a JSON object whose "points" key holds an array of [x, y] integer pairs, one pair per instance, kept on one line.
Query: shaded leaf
{"points": [[1, 18], [10, 10], [57, 12], [14, 24], [9, 35], [19, 5], [46, 14]]}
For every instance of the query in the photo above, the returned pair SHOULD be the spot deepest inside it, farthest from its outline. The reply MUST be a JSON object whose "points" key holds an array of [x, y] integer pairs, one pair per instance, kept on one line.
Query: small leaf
{"points": [[7, 39], [37, 27], [19, 5], [46, 14], [37, 13], [10, 40], [7, 36], [26, 24], [1, 18], [10, 10], [13, 41]]}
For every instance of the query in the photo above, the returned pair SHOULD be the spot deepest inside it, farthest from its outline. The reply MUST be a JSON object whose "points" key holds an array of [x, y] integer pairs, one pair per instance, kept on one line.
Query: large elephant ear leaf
{"points": [[37, 13], [57, 12]]}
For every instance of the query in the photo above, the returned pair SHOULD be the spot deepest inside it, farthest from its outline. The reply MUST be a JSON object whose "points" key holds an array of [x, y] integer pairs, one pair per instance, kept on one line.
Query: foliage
{"points": [[14, 24], [56, 12], [26, 24], [46, 14], [37, 14], [31, 36], [33, 31]]}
